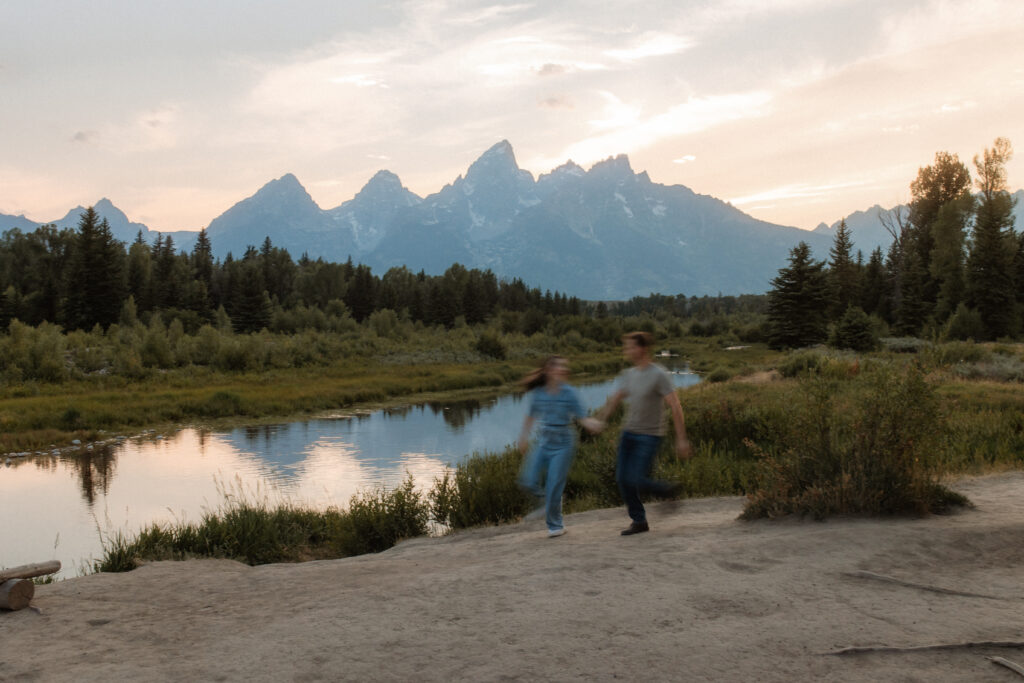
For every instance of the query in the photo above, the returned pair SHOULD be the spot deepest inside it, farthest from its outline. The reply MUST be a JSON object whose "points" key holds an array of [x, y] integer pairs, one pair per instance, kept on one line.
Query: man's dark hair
{"points": [[644, 340]]}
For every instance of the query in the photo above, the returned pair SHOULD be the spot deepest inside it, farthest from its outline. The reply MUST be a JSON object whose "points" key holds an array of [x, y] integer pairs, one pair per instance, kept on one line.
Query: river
{"points": [[60, 507]]}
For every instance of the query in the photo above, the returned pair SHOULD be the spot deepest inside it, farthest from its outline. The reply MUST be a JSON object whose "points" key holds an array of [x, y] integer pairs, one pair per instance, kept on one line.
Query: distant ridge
{"points": [[603, 233]]}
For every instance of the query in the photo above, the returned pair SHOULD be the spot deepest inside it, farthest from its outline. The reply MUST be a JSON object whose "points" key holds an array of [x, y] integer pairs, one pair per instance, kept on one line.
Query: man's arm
{"points": [[683, 448], [610, 405]]}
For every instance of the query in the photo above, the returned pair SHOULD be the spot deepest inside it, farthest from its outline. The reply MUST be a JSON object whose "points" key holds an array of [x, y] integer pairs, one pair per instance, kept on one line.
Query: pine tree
{"points": [[96, 275], [798, 302], [843, 272], [874, 287]]}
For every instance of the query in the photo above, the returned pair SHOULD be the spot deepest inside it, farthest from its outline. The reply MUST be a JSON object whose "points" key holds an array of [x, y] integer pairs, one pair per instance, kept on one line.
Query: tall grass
{"points": [[257, 532]]}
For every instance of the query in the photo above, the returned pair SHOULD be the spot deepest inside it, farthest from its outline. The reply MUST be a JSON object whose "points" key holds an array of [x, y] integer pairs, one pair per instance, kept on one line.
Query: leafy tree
{"points": [[947, 180], [990, 264], [798, 301], [949, 232]]}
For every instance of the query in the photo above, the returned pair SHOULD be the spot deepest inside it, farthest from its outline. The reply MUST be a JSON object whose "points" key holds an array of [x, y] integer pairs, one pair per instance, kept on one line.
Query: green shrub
{"points": [[866, 445], [952, 353], [718, 374], [903, 344], [480, 490], [964, 324], [377, 520], [855, 331], [489, 344], [798, 363]]}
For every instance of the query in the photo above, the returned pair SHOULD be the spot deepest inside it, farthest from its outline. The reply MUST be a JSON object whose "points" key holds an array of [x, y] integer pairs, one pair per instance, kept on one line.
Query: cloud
{"points": [[85, 136], [951, 107], [550, 69], [625, 129], [358, 80], [556, 103], [487, 14], [651, 45], [941, 22], [684, 159], [796, 191]]}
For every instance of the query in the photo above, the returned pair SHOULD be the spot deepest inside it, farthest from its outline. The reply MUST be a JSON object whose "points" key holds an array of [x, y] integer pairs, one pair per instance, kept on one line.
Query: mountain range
{"points": [[603, 233]]}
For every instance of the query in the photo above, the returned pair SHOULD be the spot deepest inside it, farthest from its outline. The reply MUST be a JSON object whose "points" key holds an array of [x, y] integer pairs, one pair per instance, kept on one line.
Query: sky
{"points": [[796, 111]]}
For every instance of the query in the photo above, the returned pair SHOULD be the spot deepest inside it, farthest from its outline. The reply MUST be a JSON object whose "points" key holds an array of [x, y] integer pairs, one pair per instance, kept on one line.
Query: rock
{"points": [[76, 442]]}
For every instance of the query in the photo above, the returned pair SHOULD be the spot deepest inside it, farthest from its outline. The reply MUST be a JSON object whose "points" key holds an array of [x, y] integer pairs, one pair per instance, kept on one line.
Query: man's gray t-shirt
{"points": [[645, 390]]}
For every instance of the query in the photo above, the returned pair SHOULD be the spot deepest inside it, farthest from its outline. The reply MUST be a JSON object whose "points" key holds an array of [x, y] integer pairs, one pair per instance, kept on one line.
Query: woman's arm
{"points": [[524, 435]]}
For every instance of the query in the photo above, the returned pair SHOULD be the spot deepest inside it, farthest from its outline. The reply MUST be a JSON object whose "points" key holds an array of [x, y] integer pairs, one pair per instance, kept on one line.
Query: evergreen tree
{"points": [[140, 273], [251, 307], [96, 275], [202, 260], [912, 309], [361, 295], [798, 302], [843, 272]]}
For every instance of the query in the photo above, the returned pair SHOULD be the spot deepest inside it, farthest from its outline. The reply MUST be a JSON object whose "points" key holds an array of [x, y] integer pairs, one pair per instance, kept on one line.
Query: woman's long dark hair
{"points": [[539, 377]]}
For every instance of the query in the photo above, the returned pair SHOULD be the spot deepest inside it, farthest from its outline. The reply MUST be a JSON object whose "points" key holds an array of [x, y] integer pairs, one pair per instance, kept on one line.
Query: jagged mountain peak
{"points": [[286, 183], [618, 164], [569, 168], [498, 162]]}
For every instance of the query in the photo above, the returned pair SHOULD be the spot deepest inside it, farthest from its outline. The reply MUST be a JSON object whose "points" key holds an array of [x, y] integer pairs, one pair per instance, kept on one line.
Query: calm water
{"points": [[58, 507]]}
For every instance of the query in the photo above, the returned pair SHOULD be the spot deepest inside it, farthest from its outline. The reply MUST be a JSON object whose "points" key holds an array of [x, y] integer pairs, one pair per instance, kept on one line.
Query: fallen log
{"points": [[920, 586], [29, 571], [926, 648], [16, 594], [1012, 666]]}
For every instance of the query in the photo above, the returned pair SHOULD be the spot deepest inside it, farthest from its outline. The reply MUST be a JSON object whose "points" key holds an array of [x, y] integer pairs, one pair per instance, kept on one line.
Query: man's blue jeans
{"points": [[633, 472]]}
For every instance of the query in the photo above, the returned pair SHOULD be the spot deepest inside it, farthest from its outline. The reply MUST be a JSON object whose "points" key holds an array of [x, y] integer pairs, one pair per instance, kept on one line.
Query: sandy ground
{"points": [[701, 597]]}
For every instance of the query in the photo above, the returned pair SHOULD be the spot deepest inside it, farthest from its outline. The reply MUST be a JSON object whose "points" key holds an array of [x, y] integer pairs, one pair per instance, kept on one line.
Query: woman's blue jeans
{"points": [[555, 457], [633, 472]]}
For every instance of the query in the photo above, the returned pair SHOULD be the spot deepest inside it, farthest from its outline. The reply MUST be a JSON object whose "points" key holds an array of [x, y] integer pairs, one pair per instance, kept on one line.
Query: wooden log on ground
{"points": [[910, 584], [926, 648], [29, 571], [16, 594], [1012, 666]]}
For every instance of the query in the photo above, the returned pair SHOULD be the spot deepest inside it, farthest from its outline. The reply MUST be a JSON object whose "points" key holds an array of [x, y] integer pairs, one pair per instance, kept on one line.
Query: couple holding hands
{"points": [[553, 405]]}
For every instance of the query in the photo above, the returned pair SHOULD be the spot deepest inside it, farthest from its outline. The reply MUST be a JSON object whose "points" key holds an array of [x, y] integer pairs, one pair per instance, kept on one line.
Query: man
{"points": [[646, 387]]}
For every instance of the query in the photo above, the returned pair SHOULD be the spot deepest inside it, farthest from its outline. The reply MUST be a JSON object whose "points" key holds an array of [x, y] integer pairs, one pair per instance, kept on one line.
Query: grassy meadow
{"points": [[814, 432]]}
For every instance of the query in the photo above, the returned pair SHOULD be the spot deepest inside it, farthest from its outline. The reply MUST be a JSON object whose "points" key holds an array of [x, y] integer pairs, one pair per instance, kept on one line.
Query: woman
{"points": [[553, 404]]}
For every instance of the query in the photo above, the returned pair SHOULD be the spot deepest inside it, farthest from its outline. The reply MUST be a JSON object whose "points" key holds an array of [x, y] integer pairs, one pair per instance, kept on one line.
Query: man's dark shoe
{"points": [[636, 528]]}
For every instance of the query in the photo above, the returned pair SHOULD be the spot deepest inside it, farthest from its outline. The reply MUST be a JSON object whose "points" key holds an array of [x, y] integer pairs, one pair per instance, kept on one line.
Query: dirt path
{"points": [[701, 597]]}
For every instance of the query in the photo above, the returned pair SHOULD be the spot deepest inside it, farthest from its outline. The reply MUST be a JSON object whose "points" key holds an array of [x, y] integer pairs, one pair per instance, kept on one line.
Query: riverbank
{"points": [[47, 417], [701, 597]]}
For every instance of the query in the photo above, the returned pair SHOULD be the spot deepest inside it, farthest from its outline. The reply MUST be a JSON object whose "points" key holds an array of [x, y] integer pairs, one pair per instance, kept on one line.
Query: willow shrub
{"points": [[256, 532], [483, 489], [866, 444]]}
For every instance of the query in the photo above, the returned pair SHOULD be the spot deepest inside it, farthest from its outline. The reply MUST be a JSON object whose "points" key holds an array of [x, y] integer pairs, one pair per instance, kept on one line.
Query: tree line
{"points": [[954, 269], [82, 278]]}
